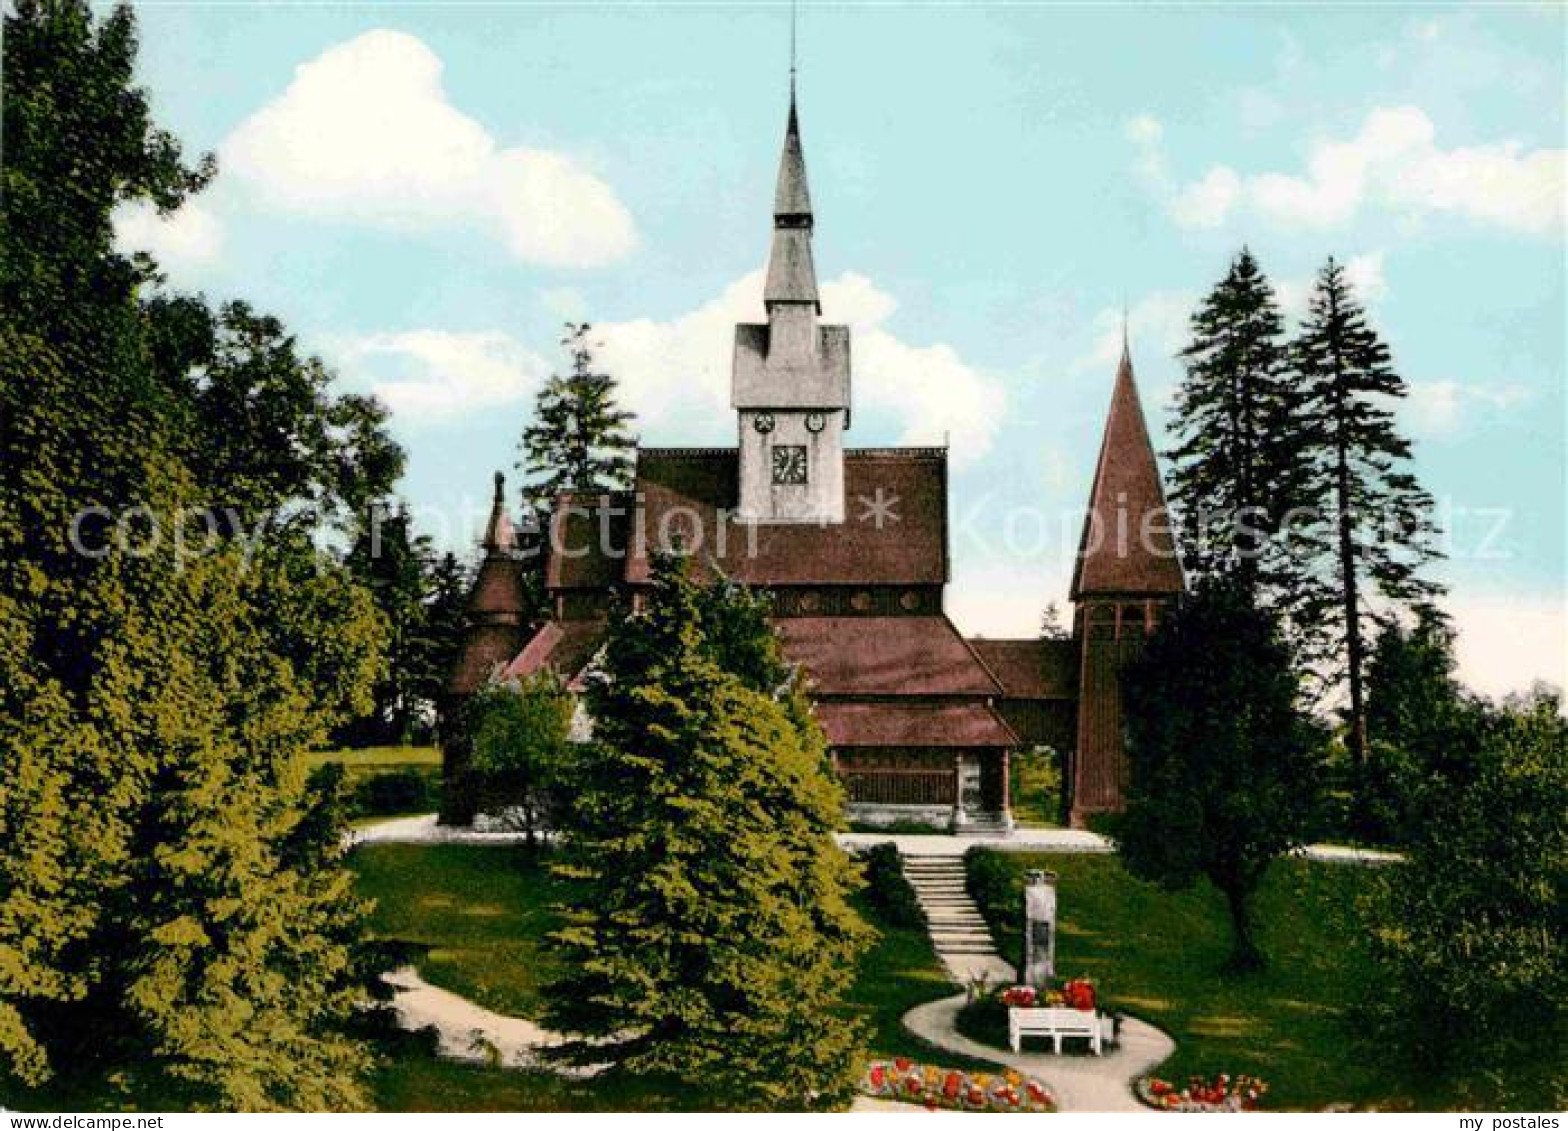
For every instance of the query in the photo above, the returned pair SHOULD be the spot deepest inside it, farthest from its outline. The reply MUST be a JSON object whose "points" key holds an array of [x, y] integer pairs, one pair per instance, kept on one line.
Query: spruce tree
{"points": [[578, 439], [1236, 468], [711, 938], [1376, 535]]}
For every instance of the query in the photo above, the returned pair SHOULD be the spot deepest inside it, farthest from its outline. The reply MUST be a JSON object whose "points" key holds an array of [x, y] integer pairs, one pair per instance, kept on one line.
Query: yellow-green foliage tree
{"points": [[176, 924], [711, 940]]}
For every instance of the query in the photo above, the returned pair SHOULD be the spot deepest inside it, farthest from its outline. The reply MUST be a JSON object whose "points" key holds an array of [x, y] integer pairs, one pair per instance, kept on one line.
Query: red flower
{"points": [[902, 1064], [951, 1085], [878, 1076]]}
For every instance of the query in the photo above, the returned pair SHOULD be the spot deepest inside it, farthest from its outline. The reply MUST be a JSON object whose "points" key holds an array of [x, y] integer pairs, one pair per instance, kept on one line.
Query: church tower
{"points": [[790, 382], [1126, 574]]}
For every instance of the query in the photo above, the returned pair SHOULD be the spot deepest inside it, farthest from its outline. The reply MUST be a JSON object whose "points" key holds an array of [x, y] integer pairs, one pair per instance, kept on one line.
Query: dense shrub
{"points": [[888, 890], [996, 886], [396, 791]]}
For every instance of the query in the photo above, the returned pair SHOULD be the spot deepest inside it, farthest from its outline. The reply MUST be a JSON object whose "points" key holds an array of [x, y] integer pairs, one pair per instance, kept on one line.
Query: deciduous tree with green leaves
{"points": [[175, 919], [1224, 762], [711, 939], [518, 731], [1470, 931]]}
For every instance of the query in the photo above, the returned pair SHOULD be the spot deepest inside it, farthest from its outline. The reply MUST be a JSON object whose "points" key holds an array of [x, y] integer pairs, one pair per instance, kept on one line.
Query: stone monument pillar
{"points": [[1039, 961]]}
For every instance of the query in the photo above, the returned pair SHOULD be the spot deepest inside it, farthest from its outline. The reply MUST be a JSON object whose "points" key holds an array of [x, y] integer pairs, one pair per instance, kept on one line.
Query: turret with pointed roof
{"points": [[1126, 572], [790, 384], [1127, 547]]}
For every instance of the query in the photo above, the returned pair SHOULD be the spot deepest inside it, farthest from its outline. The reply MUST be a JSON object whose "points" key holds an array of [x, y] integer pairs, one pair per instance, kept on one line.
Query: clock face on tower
{"points": [[789, 465]]}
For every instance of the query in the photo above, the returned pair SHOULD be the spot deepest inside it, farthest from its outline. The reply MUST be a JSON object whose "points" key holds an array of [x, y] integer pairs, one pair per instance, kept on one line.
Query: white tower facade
{"points": [[790, 381]]}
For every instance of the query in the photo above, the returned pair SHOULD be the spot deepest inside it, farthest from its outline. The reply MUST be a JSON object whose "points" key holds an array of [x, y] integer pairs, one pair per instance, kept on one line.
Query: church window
{"points": [[763, 422], [861, 601], [789, 465], [816, 422], [910, 601]]}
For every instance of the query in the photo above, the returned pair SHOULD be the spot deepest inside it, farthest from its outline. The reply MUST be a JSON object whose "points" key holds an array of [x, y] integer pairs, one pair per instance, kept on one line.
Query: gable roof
{"points": [[692, 494], [912, 724], [588, 540], [563, 647], [1115, 555], [1032, 669], [884, 656]]}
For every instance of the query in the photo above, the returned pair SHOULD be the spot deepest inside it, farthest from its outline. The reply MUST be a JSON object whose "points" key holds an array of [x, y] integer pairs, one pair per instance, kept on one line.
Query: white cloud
{"points": [[1364, 273], [676, 374], [365, 134], [1143, 129], [1393, 162], [425, 375], [1444, 407], [187, 238], [1156, 326], [1207, 202], [1506, 642]]}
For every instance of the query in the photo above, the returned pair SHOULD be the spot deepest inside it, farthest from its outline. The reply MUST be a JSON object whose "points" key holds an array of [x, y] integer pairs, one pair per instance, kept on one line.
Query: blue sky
{"points": [[425, 192]]}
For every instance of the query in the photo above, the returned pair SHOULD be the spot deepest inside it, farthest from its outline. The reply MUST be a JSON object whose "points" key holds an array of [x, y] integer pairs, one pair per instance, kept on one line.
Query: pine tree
{"points": [[578, 440], [711, 939], [1377, 534], [1224, 762], [1236, 469]]}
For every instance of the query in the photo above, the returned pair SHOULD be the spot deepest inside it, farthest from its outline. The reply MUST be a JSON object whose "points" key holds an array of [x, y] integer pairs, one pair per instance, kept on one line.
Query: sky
{"points": [[425, 193]]}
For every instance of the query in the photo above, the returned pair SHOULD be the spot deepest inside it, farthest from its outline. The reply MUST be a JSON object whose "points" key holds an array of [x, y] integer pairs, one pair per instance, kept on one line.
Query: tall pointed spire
{"points": [[1127, 545], [499, 536], [792, 276]]}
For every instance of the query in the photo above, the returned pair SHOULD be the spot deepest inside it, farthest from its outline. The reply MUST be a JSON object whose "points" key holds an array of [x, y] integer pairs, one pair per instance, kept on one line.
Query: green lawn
{"points": [[478, 916], [1157, 955], [381, 757]]}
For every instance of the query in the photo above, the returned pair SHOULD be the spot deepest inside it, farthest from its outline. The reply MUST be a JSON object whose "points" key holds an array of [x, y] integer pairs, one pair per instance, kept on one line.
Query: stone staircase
{"points": [[985, 824], [958, 933]]}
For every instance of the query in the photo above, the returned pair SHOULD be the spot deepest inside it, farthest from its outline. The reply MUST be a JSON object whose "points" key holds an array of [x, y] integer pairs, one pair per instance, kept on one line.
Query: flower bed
{"points": [[1075, 993], [1222, 1093], [948, 1088]]}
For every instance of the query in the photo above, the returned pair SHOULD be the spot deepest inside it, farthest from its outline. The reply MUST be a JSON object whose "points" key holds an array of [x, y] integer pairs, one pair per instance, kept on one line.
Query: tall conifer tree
{"points": [[1375, 533], [1236, 468], [579, 438], [711, 937]]}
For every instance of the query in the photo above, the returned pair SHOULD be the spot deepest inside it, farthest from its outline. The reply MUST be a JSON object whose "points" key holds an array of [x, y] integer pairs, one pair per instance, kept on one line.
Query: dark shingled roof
{"points": [[588, 539], [564, 647], [1113, 555], [1032, 669], [884, 656], [912, 724], [684, 490]]}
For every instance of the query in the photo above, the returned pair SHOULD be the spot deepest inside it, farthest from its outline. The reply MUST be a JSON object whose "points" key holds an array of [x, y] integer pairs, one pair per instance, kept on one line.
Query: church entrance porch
{"points": [[941, 788]]}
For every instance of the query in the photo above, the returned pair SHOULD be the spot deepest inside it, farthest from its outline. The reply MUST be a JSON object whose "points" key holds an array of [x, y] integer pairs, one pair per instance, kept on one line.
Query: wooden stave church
{"points": [[852, 547]]}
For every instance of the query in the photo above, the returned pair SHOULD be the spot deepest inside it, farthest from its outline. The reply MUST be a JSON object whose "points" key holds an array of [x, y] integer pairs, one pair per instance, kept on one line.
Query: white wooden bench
{"points": [[1056, 1023]]}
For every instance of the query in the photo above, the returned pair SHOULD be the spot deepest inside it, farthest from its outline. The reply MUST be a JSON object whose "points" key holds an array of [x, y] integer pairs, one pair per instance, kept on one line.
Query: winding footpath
{"points": [[469, 1032]]}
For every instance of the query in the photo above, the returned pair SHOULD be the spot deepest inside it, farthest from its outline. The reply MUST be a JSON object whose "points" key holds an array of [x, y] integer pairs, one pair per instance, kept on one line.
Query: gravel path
{"points": [[1079, 1083], [467, 1031]]}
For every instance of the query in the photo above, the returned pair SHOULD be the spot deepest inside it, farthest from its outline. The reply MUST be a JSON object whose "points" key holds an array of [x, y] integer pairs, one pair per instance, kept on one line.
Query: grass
{"points": [[1157, 955], [377, 757], [478, 916]]}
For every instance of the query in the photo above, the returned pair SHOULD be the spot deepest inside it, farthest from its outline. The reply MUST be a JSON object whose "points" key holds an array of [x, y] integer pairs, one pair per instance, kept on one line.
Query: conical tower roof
{"points": [[792, 276], [1127, 545]]}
